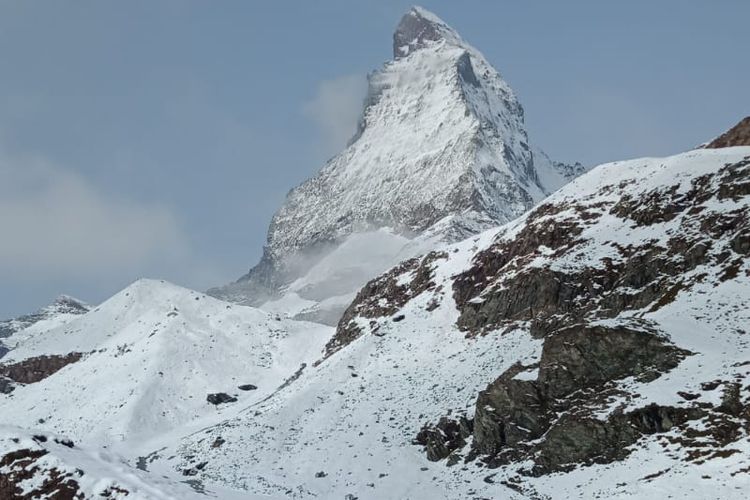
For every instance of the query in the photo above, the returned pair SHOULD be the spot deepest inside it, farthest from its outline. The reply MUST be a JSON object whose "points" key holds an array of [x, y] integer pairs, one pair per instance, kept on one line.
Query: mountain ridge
{"points": [[593, 342]]}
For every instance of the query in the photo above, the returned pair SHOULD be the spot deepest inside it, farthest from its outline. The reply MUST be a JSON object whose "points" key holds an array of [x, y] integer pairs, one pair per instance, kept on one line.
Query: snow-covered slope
{"points": [[595, 347], [41, 465], [441, 152], [142, 364]]}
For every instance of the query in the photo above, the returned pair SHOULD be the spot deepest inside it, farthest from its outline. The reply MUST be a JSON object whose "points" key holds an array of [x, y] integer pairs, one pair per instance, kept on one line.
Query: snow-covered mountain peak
{"points": [[419, 28], [61, 310], [441, 152]]}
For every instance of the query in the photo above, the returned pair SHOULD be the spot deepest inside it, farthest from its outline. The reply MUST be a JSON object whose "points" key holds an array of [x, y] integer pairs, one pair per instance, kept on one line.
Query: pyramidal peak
{"points": [[441, 153], [418, 28]]}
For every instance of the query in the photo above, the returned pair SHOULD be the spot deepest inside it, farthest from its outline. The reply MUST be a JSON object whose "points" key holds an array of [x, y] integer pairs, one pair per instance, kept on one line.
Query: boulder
{"points": [[219, 398]]}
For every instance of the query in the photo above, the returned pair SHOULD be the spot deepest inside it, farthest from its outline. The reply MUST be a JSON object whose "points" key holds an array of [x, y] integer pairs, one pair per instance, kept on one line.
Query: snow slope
{"points": [[347, 427], [441, 153], [44, 465], [155, 351]]}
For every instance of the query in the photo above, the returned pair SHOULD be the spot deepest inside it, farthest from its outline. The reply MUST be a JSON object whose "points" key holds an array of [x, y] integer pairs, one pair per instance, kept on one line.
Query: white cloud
{"points": [[57, 225], [335, 109]]}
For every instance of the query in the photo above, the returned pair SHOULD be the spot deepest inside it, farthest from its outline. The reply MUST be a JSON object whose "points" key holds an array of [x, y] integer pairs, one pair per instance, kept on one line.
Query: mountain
{"points": [[62, 310], [595, 347], [739, 135], [144, 363], [441, 152], [593, 344]]}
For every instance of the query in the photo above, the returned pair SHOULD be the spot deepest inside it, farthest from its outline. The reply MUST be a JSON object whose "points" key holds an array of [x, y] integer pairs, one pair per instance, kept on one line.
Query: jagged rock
{"points": [[513, 411], [445, 437], [576, 439], [581, 357], [219, 398], [508, 412]]}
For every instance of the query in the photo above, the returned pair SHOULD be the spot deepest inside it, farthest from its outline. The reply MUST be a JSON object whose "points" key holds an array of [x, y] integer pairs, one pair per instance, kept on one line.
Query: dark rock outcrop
{"points": [[6, 385], [38, 368], [739, 135], [445, 437], [580, 357], [20, 478], [580, 439], [547, 418], [576, 371], [219, 398]]}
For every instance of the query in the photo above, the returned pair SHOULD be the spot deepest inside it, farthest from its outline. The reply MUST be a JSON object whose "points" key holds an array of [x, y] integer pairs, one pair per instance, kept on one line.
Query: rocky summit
{"points": [[441, 152]]}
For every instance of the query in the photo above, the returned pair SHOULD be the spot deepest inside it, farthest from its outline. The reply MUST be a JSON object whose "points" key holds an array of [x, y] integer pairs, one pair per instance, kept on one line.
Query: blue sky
{"points": [[156, 138]]}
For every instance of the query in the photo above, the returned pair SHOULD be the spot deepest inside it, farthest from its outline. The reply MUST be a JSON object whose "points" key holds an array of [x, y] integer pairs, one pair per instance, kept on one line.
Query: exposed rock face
{"points": [[576, 369], [444, 438], [441, 152], [38, 368], [501, 286], [548, 419], [417, 30], [581, 357], [739, 135]]}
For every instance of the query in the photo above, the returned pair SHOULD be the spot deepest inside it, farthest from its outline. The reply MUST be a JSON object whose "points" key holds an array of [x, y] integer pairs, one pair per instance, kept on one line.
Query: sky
{"points": [[156, 138]]}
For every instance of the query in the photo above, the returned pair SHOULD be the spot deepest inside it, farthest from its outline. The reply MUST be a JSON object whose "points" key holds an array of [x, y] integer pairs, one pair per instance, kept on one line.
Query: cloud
{"points": [[335, 109], [55, 224]]}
